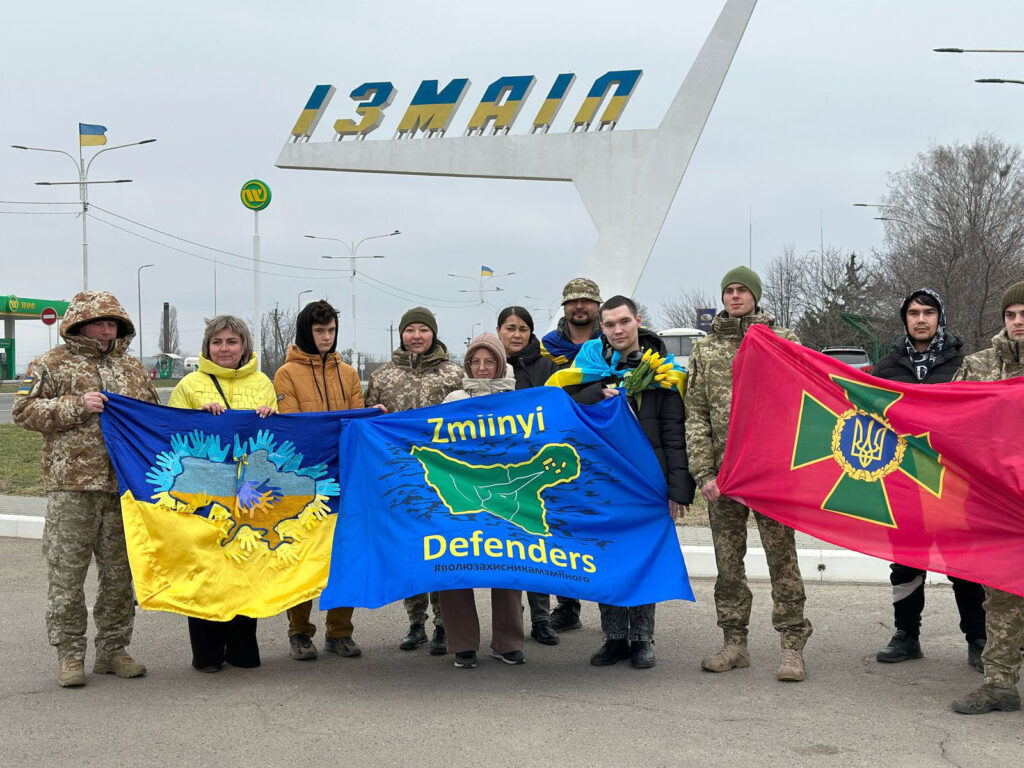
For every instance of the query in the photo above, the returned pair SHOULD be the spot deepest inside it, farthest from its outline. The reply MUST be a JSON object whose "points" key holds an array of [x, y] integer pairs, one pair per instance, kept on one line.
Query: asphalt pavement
{"points": [[7, 402], [396, 708]]}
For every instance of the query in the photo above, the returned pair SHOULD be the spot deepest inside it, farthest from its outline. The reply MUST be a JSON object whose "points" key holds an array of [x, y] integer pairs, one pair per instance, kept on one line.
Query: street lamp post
{"points": [[298, 300], [353, 248], [138, 285], [83, 188]]}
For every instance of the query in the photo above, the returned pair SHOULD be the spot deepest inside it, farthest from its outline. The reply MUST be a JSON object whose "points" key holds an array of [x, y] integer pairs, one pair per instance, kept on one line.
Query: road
{"points": [[395, 708], [7, 402]]}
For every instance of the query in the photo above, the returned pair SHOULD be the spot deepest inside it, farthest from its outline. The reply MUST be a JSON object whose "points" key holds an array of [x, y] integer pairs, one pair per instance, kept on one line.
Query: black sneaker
{"points": [[974, 649], [512, 657], [641, 654], [301, 648], [543, 633], [439, 643], [612, 652], [465, 660], [416, 637], [562, 620], [900, 648]]}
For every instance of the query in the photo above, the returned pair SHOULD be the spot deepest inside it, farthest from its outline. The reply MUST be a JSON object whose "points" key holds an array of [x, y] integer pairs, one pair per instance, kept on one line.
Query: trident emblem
{"points": [[868, 442]]}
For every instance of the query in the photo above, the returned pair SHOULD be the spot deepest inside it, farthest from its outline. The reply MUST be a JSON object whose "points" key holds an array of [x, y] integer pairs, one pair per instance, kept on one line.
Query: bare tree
{"points": [[954, 222], [681, 311], [783, 285], [278, 332]]}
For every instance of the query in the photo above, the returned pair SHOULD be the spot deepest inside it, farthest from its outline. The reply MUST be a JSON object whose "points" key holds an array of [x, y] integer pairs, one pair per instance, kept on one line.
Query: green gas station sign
{"points": [[19, 306]]}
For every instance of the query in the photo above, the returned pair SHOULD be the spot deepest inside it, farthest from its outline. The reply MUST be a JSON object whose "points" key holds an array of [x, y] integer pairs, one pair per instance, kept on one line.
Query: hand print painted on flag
{"points": [[225, 515], [522, 490]]}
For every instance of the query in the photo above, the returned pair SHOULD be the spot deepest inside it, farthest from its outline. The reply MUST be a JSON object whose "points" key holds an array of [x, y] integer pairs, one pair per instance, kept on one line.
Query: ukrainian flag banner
{"points": [[92, 135], [486, 272], [929, 477], [521, 490], [225, 515]]}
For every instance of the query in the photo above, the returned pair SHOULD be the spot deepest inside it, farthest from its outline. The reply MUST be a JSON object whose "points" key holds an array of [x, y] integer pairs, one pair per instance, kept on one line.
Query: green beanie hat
{"points": [[419, 315], [745, 277], [1014, 295]]}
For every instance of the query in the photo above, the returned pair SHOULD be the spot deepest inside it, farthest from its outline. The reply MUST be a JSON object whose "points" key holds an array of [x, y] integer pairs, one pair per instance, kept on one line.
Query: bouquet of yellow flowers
{"points": [[654, 371]]}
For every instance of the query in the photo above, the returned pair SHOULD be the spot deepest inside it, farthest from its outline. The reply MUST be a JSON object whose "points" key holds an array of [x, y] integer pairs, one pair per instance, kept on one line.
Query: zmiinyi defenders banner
{"points": [[522, 490]]}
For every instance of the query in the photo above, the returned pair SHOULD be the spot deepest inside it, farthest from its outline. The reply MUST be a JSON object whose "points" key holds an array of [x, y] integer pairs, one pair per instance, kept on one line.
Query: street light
{"points": [[83, 188], [353, 248], [138, 284], [977, 50], [998, 80], [298, 301]]}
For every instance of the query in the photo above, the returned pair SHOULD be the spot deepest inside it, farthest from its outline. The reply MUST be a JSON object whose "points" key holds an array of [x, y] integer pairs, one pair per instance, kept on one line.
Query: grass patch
{"points": [[21, 462]]}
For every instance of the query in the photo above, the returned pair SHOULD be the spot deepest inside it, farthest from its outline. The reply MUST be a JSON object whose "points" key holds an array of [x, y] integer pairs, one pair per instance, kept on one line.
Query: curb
{"points": [[824, 565]]}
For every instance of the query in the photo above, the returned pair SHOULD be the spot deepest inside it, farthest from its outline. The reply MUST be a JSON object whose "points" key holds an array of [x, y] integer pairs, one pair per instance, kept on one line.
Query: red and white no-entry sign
{"points": [[48, 316]]}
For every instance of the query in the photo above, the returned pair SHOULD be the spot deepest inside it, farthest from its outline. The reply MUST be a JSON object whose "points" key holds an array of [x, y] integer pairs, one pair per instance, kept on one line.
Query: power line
{"points": [[39, 213], [36, 202], [216, 250], [447, 303]]}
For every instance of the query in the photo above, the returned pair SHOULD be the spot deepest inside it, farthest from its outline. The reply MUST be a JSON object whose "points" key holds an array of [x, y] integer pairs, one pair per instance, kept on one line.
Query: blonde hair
{"points": [[233, 324]]}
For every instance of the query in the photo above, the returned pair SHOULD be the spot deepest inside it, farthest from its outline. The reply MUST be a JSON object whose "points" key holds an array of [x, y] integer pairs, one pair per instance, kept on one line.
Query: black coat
{"points": [[662, 417], [896, 366], [532, 369]]}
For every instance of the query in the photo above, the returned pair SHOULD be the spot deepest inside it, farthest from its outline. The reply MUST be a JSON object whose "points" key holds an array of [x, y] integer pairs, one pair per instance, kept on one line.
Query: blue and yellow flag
{"points": [[225, 515], [589, 365], [92, 135], [486, 272], [522, 490]]}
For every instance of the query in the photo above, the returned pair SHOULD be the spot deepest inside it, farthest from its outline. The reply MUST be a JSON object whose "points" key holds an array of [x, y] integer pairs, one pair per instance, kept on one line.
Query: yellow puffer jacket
{"points": [[244, 388]]}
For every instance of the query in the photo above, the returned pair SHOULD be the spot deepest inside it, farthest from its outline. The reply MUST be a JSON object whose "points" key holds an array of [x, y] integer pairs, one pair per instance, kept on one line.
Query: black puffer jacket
{"points": [[896, 366], [531, 367], [661, 416]]}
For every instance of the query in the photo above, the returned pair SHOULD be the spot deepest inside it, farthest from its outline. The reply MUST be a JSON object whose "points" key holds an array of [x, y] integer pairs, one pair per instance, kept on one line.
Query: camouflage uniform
{"points": [[415, 381], [708, 399], [1004, 612], [83, 512]]}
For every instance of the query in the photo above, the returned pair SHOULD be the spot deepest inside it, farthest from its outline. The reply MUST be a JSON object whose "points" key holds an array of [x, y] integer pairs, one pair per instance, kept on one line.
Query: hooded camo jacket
{"points": [[1003, 360], [413, 381], [709, 390], [50, 399]]}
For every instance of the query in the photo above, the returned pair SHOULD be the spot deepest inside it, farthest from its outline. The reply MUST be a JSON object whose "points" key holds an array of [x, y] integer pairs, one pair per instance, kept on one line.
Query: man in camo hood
{"points": [[62, 397], [708, 398]]}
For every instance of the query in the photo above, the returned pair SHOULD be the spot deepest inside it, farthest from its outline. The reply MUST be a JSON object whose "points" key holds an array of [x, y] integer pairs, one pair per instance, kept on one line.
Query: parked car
{"points": [[680, 341], [855, 357]]}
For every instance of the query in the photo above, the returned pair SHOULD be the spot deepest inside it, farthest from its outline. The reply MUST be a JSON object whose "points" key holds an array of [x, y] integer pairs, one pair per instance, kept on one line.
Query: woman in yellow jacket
{"points": [[228, 379]]}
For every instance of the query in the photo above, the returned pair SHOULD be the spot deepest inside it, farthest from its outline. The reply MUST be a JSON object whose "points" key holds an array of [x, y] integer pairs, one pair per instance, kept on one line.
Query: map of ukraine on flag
{"points": [[92, 135], [930, 476]]}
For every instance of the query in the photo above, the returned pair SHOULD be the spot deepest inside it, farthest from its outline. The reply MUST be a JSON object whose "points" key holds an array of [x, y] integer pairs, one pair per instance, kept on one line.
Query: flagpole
{"points": [[83, 196]]}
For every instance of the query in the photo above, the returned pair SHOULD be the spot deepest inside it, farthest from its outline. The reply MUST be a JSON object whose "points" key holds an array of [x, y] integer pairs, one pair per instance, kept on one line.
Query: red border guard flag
{"points": [[930, 477]]}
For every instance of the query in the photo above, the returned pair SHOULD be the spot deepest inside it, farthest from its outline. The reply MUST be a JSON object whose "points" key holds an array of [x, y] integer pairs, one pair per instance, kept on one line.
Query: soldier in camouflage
{"points": [[708, 398], [419, 374], [62, 397], [1004, 612]]}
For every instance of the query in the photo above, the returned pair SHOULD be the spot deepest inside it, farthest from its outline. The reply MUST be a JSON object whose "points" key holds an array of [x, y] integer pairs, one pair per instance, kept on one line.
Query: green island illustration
{"points": [[509, 491]]}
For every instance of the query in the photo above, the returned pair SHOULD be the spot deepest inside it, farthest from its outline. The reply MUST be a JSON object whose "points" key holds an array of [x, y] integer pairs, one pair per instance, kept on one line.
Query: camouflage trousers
{"points": [[80, 524], [1004, 624], [732, 595], [416, 607]]}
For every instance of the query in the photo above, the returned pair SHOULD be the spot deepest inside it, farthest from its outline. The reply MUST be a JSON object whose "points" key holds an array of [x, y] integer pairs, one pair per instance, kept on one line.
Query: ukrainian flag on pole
{"points": [[486, 272], [91, 135]]}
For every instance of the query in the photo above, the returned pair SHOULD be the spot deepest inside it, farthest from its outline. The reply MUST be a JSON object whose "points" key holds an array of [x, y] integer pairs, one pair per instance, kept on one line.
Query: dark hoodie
{"points": [[309, 381], [936, 365]]}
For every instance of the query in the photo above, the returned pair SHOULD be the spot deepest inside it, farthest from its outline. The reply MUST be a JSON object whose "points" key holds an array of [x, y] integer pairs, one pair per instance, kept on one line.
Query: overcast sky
{"points": [[823, 101]]}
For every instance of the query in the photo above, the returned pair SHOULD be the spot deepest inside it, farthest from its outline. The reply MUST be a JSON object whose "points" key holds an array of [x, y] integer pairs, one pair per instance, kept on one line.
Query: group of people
{"points": [[62, 397]]}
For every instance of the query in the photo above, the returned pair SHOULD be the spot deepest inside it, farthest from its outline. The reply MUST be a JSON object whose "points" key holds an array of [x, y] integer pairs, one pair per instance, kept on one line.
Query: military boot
{"points": [[730, 656], [439, 642], [900, 648], [791, 669], [986, 698], [416, 637], [119, 663], [71, 673]]}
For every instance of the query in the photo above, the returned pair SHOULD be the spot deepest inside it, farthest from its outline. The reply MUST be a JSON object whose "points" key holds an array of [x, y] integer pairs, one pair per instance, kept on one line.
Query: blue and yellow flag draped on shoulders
{"points": [[523, 490], [225, 515]]}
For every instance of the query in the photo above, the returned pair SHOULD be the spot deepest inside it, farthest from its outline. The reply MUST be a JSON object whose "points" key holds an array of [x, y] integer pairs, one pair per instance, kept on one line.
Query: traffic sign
{"points": [[255, 195], [48, 316]]}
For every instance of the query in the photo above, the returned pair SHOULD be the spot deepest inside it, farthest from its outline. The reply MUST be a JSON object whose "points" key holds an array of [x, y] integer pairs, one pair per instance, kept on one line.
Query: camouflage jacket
{"points": [[50, 399], [1003, 360], [413, 381], [709, 390]]}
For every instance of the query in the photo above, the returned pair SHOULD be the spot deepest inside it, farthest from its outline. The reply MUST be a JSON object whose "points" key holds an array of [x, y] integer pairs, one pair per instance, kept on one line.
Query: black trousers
{"points": [[908, 602], [214, 642]]}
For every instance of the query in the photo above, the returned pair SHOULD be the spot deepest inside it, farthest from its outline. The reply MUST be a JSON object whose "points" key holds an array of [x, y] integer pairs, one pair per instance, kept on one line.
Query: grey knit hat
{"points": [[1014, 295]]}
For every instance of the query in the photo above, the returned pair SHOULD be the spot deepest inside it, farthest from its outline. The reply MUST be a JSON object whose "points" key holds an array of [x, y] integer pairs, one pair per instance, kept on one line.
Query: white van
{"points": [[680, 341], [191, 364]]}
